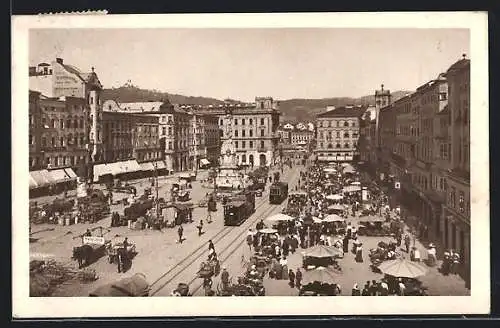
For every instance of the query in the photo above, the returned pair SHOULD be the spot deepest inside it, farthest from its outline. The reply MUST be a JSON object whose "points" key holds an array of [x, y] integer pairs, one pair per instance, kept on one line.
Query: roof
{"points": [[459, 65], [344, 112]]}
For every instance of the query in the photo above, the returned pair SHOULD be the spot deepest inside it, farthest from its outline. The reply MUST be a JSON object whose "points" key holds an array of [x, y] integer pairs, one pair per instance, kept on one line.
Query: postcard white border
{"points": [[478, 302]]}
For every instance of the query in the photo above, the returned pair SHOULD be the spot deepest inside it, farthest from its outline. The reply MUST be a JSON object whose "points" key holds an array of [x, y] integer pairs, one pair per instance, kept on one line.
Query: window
{"points": [[443, 96], [243, 132], [251, 143], [44, 142], [169, 131], [461, 201], [236, 144], [262, 144], [346, 145], [221, 122], [243, 144], [251, 121], [337, 146], [262, 132], [261, 121], [453, 197], [338, 123], [164, 130], [243, 158], [235, 121], [346, 135], [353, 124], [236, 133], [31, 140], [346, 124], [243, 121], [338, 134], [251, 133]]}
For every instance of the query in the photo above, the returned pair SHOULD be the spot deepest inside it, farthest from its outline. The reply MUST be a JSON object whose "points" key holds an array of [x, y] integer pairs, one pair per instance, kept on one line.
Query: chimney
{"points": [[59, 61]]}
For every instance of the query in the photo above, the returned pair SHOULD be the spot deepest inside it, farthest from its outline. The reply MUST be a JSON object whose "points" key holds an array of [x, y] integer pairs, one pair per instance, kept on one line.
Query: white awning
{"points": [[70, 173], [160, 165], [100, 170], [147, 166], [130, 166], [204, 161], [59, 176]]}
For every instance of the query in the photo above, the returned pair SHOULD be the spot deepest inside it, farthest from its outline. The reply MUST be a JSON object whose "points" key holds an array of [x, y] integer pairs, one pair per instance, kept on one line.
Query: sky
{"points": [[244, 63]]}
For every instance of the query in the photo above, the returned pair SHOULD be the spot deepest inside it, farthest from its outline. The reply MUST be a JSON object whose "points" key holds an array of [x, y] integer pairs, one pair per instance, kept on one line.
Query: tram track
{"points": [[219, 238], [167, 277]]}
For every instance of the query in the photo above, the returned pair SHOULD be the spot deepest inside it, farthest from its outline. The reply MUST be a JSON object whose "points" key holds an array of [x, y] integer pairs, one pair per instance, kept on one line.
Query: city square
{"points": [[139, 192]]}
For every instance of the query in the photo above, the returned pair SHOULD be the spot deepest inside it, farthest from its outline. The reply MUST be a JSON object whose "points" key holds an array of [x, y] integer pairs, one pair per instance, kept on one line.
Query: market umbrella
{"points": [[320, 274], [329, 169], [336, 207], [321, 251], [333, 218], [128, 287], [280, 217], [351, 188], [402, 268], [268, 231], [334, 197], [356, 183], [317, 220]]}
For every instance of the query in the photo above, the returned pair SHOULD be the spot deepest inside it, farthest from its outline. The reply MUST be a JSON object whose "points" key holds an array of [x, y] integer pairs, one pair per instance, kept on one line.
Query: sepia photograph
{"points": [[251, 159]]}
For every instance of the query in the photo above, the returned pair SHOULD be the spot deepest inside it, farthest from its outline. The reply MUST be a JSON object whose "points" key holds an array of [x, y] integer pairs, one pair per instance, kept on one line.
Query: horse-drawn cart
{"points": [[113, 250], [209, 269], [91, 249]]}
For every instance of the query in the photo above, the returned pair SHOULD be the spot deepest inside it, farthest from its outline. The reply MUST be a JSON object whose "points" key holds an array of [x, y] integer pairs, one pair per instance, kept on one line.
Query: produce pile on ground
{"points": [[46, 276]]}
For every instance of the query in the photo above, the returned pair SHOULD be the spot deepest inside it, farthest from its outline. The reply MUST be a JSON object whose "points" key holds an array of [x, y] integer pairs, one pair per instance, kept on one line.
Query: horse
{"points": [[83, 254]]}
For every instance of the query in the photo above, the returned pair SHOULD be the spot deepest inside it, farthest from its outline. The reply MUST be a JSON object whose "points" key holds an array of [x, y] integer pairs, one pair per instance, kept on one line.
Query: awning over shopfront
{"points": [[130, 166], [71, 173], [147, 166], [204, 161], [59, 176], [160, 165], [42, 178], [32, 181], [100, 170]]}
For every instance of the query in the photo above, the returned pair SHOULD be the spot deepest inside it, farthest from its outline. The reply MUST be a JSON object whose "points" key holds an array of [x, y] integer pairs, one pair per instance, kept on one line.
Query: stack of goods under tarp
{"points": [[47, 275]]}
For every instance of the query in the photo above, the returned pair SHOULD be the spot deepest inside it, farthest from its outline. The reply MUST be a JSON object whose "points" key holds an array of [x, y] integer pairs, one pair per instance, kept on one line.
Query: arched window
{"points": [[70, 139], [68, 123], [330, 146], [337, 146], [346, 134], [346, 124], [346, 145], [53, 123]]}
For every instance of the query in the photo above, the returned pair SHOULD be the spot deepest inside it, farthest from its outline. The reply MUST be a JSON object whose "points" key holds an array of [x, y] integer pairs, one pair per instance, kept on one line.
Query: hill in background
{"points": [[292, 109]]}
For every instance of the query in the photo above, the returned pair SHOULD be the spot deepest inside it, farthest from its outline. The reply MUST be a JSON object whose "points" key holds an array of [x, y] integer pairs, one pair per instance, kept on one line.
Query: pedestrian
{"points": [[355, 290], [211, 245], [359, 253], [200, 228], [291, 278], [401, 288], [373, 288], [345, 244], [179, 232], [250, 238], [224, 278], [407, 243], [366, 290], [298, 278]]}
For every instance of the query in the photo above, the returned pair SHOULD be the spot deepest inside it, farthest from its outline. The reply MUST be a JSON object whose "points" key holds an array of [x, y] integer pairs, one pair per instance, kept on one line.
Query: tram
{"points": [[278, 192], [239, 208]]}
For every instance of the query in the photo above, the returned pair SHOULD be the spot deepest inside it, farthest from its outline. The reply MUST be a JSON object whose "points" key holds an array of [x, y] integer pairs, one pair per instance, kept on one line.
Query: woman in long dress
{"points": [[359, 254]]}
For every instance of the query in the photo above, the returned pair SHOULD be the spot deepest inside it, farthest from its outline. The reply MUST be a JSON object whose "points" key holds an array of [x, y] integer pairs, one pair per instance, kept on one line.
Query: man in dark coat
{"points": [[298, 278], [180, 232], [345, 244]]}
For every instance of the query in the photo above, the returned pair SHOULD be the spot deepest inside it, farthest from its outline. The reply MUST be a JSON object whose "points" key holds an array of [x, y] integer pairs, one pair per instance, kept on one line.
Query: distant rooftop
{"points": [[346, 111]]}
